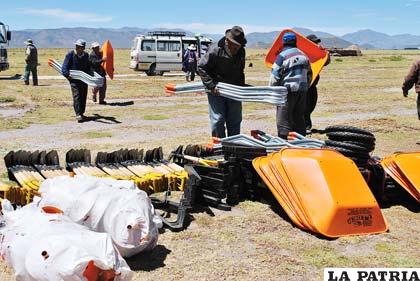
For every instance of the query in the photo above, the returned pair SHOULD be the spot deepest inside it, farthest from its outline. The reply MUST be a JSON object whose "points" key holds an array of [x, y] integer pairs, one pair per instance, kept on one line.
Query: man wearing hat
{"points": [[31, 60], [77, 59], [96, 59], [291, 69], [312, 96], [190, 61], [224, 62]]}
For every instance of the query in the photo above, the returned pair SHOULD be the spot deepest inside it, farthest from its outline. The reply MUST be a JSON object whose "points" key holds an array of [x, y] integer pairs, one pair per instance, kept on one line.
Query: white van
{"points": [[162, 51]]}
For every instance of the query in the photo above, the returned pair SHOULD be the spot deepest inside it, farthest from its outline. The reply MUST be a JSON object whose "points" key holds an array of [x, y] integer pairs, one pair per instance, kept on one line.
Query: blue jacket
{"points": [[74, 62], [292, 69]]}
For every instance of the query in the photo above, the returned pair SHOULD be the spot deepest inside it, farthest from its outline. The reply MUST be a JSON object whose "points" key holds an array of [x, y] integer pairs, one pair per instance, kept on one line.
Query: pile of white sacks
{"points": [[79, 229]]}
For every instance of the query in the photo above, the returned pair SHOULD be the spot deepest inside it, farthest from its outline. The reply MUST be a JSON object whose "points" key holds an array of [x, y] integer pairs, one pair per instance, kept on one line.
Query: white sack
{"points": [[116, 207], [42, 247]]}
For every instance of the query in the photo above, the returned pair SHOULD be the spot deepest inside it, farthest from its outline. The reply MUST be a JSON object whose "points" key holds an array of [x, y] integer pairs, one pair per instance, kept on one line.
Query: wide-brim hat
{"points": [[191, 47], [236, 35], [94, 45], [81, 43], [29, 41], [313, 38]]}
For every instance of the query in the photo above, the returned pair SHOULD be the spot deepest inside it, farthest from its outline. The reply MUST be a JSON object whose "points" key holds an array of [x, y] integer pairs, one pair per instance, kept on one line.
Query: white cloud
{"points": [[66, 15], [218, 28]]}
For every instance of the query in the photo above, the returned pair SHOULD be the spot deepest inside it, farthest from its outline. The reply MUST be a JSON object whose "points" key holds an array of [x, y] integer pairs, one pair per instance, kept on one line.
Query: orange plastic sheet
{"points": [[322, 191], [108, 52], [404, 168], [317, 55]]}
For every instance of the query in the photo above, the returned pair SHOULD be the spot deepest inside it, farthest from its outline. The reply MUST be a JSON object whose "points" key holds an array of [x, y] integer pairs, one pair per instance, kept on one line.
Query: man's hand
{"points": [[215, 91], [405, 93], [103, 59]]}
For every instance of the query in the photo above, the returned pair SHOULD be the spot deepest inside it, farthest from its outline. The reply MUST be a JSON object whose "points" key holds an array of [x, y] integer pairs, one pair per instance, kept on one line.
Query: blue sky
{"points": [[337, 17]]}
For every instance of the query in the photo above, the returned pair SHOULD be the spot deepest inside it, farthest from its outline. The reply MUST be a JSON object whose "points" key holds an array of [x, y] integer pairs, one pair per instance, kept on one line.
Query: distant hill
{"points": [[122, 37], [265, 39], [381, 40]]}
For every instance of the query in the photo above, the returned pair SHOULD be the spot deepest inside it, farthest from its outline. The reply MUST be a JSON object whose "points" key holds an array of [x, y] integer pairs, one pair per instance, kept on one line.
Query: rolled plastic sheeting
{"points": [[49, 246], [94, 81], [116, 207], [275, 95]]}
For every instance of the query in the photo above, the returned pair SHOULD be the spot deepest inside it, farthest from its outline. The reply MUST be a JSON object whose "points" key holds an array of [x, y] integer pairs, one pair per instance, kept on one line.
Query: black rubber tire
{"points": [[348, 152], [346, 136], [349, 145], [345, 128]]}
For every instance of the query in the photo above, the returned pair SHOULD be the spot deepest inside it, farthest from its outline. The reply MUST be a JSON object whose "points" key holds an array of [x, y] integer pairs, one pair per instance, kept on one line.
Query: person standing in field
{"points": [[292, 70], [312, 96], [78, 59], [96, 59], [190, 59], [31, 60], [224, 62], [413, 79]]}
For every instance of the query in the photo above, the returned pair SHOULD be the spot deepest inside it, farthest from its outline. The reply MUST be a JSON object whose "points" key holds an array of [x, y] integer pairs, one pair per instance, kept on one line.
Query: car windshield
{"points": [[2, 34]]}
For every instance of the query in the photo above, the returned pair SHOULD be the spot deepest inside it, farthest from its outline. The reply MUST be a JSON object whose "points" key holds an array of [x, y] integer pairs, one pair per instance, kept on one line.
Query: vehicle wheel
{"points": [[359, 147], [344, 128], [346, 136], [152, 70]]}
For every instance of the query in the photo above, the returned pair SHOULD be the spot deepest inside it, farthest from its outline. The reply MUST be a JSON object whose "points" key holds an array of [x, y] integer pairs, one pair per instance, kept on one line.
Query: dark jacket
{"points": [[96, 63], [412, 78], [73, 62], [31, 55], [316, 80], [217, 66]]}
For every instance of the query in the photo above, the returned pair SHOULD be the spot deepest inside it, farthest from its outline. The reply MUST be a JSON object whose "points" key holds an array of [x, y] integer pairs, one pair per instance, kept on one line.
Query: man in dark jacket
{"points": [[292, 70], [312, 96], [96, 59], [31, 60], [413, 79], [224, 62], [77, 59]]}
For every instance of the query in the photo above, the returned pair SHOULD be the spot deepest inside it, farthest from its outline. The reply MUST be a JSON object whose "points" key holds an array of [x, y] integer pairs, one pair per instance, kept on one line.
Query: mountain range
{"points": [[122, 37]]}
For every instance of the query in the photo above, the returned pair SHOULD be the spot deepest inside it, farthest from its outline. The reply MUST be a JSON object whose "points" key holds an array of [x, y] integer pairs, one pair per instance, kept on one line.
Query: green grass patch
{"points": [[97, 135], [339, 60], [372, 60], [394, 58], [7, 99], [10, 124], [155, 117], [325, 257]]}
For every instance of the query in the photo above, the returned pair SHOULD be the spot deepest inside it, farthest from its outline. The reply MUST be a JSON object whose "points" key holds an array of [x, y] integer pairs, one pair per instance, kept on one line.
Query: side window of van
{"points": [[148, 45], [162, 46], [168, 46], [174, 46]]}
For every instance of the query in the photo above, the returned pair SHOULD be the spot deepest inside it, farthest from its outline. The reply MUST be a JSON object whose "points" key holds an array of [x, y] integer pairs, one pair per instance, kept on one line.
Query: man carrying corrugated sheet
{"points": [[224, 62], [77, 59]]}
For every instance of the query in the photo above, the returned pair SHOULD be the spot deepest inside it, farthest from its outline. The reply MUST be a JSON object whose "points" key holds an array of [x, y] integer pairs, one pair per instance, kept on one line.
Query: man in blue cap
{"points": [[78, 59], [292, 70]]}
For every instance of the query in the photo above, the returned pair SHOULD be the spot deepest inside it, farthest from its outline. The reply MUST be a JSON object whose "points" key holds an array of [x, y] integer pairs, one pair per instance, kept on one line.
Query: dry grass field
{"points": [[254, 241]]}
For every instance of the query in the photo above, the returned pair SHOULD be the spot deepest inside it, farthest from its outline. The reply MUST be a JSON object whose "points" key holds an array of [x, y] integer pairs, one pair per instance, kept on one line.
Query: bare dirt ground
{"points": [[255, 241]]}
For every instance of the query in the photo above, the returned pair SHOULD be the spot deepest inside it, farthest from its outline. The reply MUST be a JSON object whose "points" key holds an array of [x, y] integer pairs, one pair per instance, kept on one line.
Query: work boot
{"points": [[80, 118], [26, 82], [103, 102], [94, 98]]}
